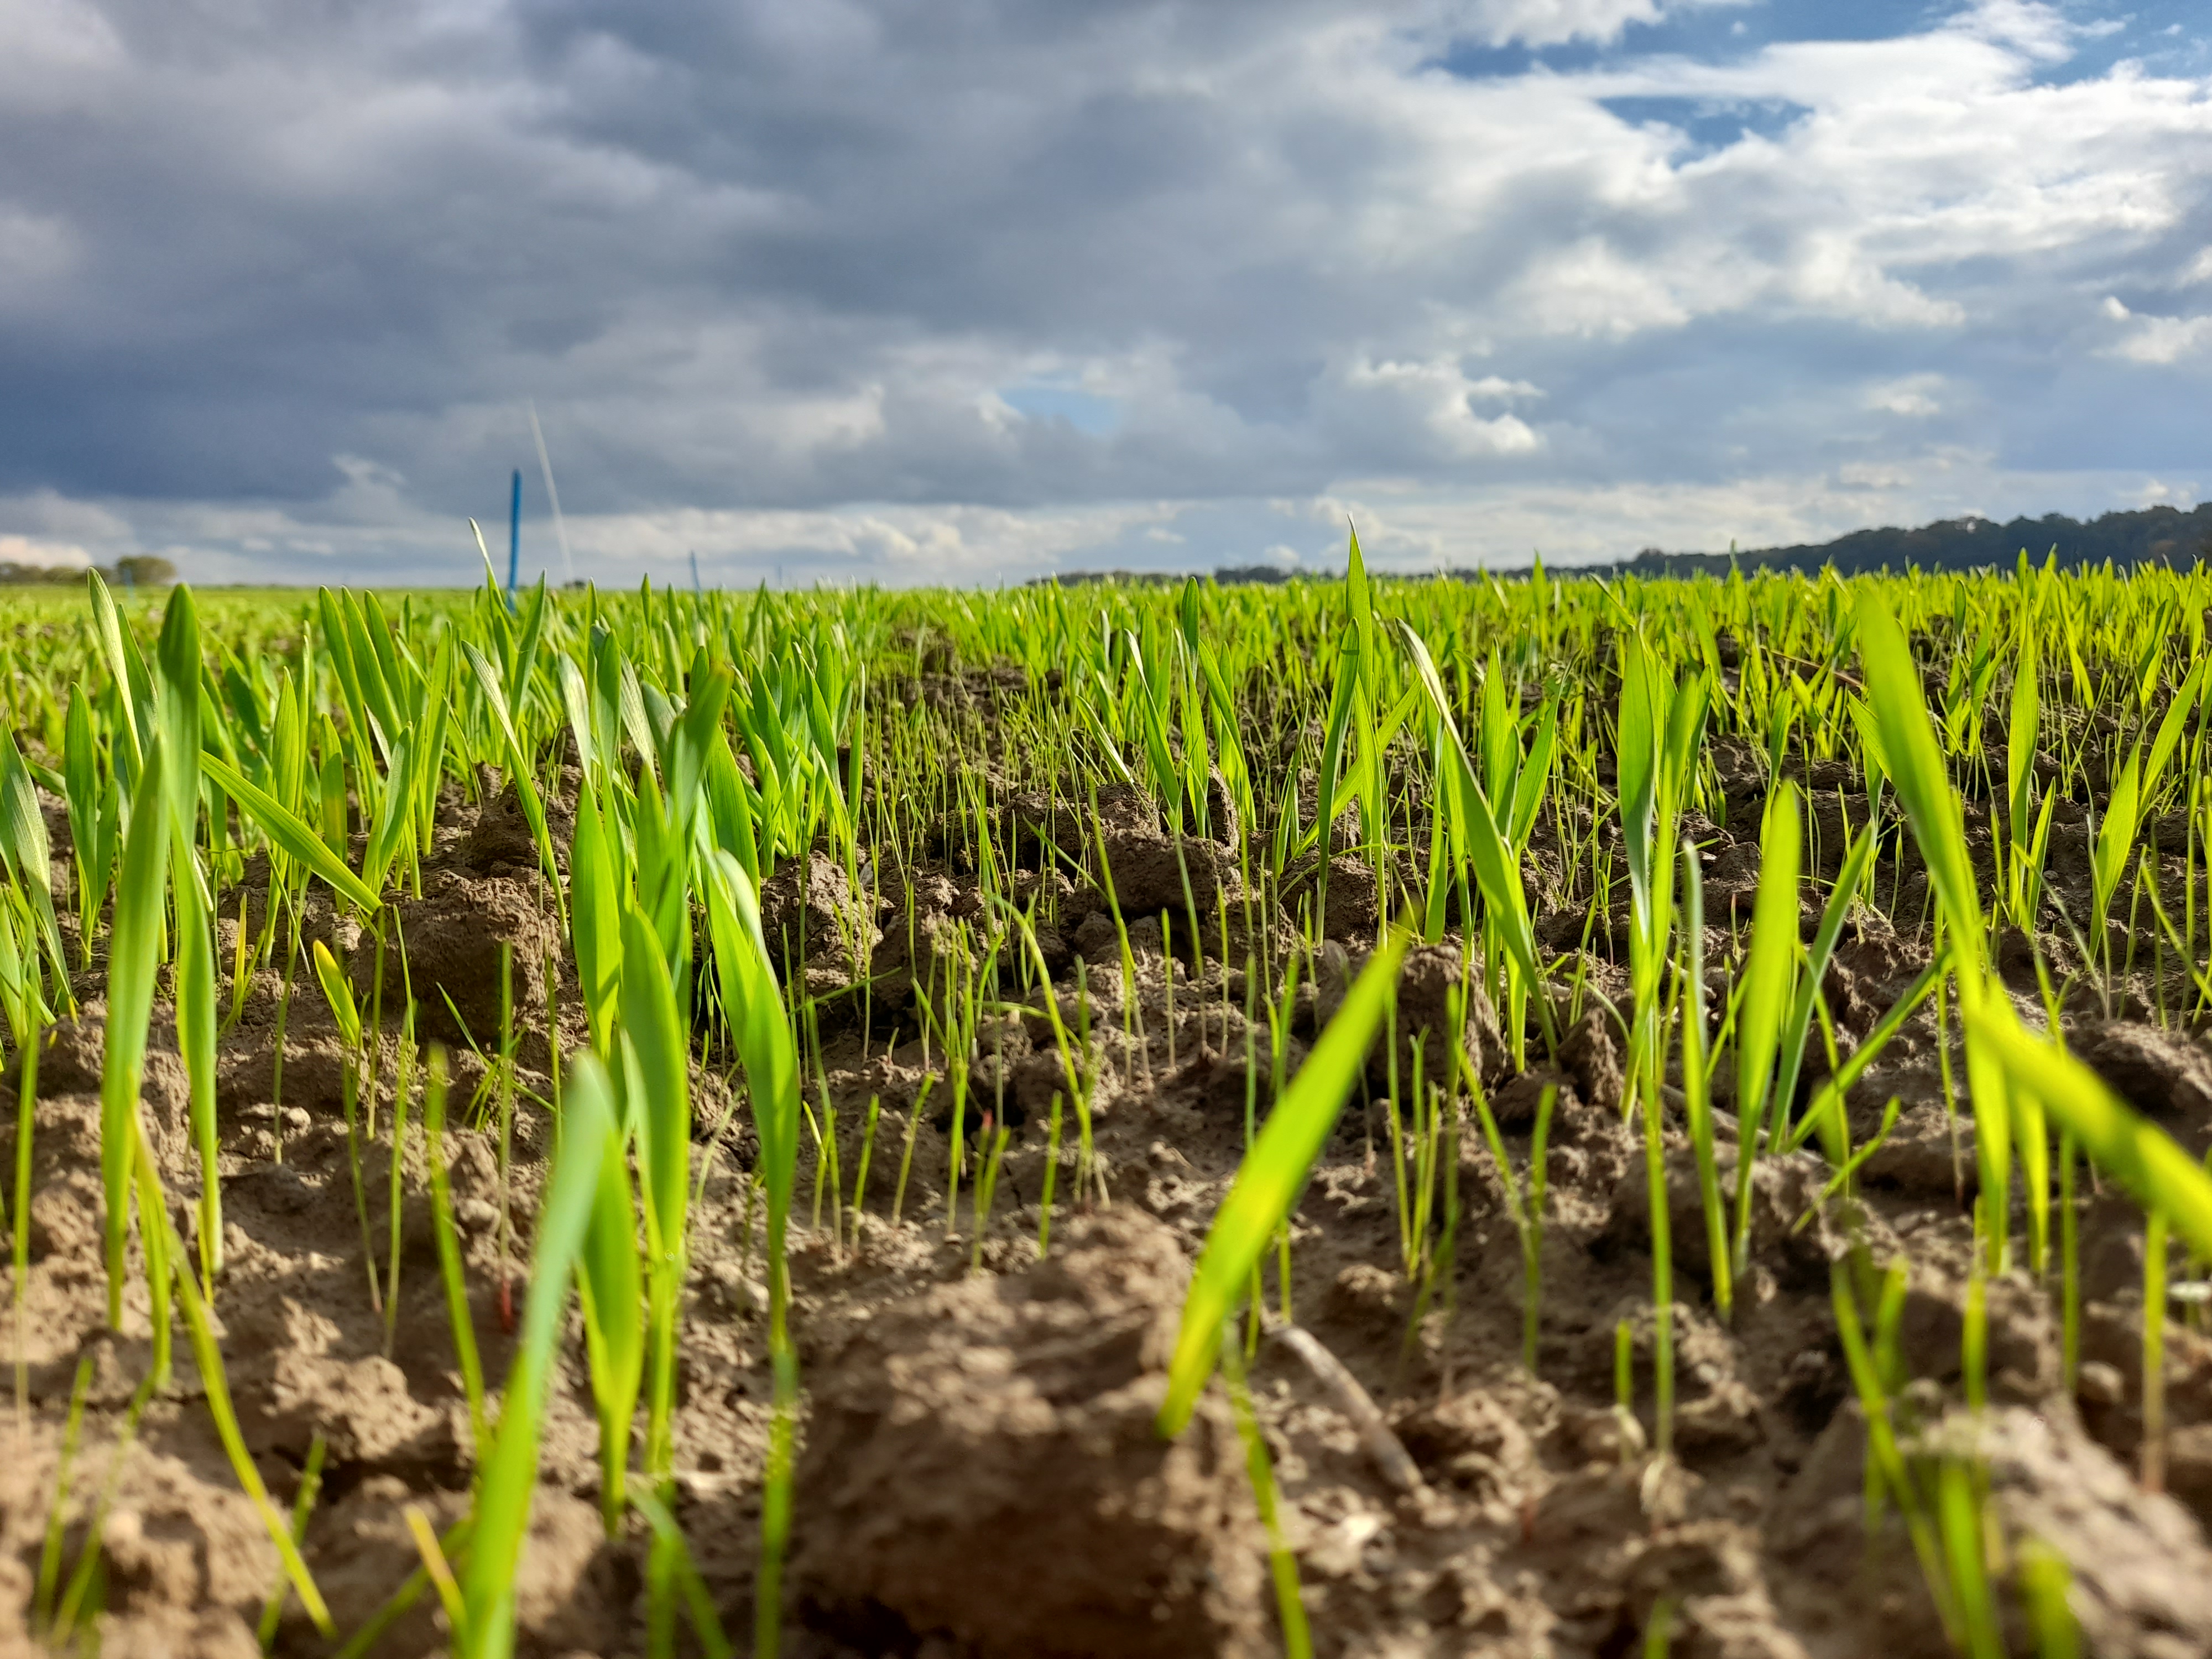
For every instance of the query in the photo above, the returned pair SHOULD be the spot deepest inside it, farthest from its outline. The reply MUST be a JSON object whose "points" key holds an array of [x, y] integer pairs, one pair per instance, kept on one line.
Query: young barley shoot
{"points": [[1271, 1176]]}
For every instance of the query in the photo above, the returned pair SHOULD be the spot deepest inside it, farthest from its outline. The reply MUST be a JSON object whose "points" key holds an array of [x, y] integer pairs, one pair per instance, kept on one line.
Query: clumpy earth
{"points": [[978, 1476]]}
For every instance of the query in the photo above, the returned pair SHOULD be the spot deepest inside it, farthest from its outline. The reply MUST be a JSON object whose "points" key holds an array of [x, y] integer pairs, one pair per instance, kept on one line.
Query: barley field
{"points": [[1531, 1116]]}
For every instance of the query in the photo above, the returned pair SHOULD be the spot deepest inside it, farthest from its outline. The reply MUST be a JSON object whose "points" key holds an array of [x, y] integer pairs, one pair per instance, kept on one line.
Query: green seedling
{"points": [[1691, 978], [986, 1185], [611, 1287], [49, 1552], [207, 1357], [1525, 1209], [761, 1032], [450, 1273], [338, 991], [133, 958], [2044, 1580], [867, 1152], [1282, 1562], [588, 1140], [657, 1094], [1271, 1176], [303, 1507]]}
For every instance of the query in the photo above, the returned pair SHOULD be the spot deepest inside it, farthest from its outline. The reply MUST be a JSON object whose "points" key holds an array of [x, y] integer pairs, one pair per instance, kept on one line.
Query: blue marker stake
{"points": [[514, 534]]}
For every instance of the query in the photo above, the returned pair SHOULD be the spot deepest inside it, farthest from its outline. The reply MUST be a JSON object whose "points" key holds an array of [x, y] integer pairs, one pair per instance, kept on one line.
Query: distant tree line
{"points": [[2149, 536], [1228, 575], [136, 570]]}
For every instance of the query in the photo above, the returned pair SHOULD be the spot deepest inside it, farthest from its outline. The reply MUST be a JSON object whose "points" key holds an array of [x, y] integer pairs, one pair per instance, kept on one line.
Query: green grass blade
{"points": [[2169, 728], [1798, 1028], [1931, 804], [519, 769], [2021, 731], [451, 1271], [2132, 1151], [612, 1288], [1637, 727], [1535, 776], [588, 1138], [28, 854], [133, 959], [705, 1622], [339, 991], [576, 703], [657, 1071], [1342, 696], [1497, 872], [1834, 1090], [1966, 1552], [758, 1027], [1271, 1177], [1923, 784], [762, 1033], [595, 921], [289, 834], [177, 656], [1770, 969], [132, 688], [2116, 840], [196, 1041]]}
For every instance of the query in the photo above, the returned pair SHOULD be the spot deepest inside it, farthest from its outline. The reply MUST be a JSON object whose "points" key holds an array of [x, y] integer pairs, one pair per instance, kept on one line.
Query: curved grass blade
{"points": [[339, 991], [1475, 830], [1932, 806], [288, 833], [2133, 1150], [762, 1033], [134, 691], [28, 854]]}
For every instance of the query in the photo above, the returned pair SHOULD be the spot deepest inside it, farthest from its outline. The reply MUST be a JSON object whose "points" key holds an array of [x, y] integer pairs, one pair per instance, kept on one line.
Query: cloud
{"points": [[1548, 22], [2159, 340], [1425, 410], [864, 293], [1914, 396], [22, 549]]}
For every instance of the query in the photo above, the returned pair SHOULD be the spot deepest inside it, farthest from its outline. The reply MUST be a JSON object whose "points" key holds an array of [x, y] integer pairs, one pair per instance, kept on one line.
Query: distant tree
{"points": [[145, 570], [2164, 536], [19, 576]]}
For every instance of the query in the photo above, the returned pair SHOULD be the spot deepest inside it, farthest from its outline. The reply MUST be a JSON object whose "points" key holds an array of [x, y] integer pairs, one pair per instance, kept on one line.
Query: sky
{"points": [[969, 291]]}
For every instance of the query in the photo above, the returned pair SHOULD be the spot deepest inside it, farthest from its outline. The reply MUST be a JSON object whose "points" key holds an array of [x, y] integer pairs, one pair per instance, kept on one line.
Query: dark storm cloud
{"points": [[282, 277]]}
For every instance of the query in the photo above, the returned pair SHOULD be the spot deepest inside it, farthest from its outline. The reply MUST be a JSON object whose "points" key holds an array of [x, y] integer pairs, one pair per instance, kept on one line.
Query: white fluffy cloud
{"points": [[2158, 340], [1548, 22], [841, 288], [33, 551]]}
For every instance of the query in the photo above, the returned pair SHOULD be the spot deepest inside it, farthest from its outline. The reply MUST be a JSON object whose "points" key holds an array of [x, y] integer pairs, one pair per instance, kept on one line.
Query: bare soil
{"points": [[979, 1474]]}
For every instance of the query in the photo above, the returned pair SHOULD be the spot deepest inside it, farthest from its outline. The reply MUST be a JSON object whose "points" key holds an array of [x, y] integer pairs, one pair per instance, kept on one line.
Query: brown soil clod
{"points": [[454, 934], [982, 1463]]}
